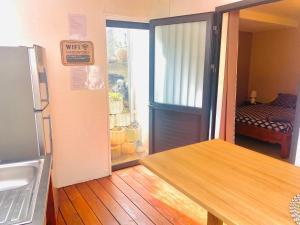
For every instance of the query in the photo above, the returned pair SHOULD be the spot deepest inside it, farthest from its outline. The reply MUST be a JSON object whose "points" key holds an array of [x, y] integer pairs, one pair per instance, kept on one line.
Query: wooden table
{"points": [[234, 184]]}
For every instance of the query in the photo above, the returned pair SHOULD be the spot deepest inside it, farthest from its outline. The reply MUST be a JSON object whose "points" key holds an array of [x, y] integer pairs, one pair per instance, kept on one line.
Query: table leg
{"points": [[212, 220]]}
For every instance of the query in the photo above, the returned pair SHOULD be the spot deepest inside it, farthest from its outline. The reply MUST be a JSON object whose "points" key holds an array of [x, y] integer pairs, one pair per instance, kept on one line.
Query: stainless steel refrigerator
{"points": [[25, 122]]}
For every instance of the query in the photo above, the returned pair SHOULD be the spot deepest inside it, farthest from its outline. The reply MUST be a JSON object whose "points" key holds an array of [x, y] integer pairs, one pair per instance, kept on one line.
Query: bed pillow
{"points": [[285, 100]]}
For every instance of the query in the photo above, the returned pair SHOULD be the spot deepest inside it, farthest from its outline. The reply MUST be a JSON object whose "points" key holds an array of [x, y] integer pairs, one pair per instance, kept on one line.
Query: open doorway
{"points": [[128, 74], [268, 76]]}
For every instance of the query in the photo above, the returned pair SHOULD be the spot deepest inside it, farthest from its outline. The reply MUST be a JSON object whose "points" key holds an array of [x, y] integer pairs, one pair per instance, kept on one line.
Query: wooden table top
{"points": [[237, 185]]}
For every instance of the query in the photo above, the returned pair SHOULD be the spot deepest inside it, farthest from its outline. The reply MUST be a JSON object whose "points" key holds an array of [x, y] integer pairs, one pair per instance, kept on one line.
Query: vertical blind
{"points": [[179, 63]]}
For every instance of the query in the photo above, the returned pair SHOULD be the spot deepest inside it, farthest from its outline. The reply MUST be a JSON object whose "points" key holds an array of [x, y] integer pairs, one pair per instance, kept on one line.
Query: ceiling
{"points": [[284, 8], [254, 26], [278, 15]]}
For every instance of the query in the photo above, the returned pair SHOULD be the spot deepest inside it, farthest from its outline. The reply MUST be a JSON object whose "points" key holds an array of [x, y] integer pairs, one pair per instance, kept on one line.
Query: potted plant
{"points": [[123, 119], [117, 136], [122, 55], [116, 151], [128, 147], [132, 133], [112, 119], [116, 104]]}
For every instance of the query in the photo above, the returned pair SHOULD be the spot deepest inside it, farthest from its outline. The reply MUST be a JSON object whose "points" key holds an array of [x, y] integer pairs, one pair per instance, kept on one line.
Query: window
{"points": [[182, 48]]}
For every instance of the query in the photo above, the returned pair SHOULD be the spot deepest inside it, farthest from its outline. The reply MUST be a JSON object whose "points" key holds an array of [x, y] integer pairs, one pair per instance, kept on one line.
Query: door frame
{"points": [[243, 4], [211, 65], [230, 8], [224, 11], [168, 21], [126, 25]]}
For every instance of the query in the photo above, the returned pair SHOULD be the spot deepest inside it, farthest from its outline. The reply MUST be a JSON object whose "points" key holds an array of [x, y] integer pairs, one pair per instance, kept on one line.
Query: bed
{"points": [[272, 122]]}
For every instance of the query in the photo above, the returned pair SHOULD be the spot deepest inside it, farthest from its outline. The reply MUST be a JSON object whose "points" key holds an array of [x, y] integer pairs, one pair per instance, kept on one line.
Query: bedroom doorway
{"points": [[267, 76]]}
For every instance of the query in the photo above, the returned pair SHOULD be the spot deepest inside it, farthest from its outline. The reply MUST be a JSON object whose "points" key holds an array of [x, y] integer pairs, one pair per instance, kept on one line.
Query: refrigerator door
{"points": [[38, 77], [43, 131], [18, 137]]}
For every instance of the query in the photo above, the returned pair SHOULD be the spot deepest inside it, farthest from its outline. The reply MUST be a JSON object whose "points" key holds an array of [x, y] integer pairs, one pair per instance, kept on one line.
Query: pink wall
{"points": [[146, 9], [275, 63], [80, 126], [179, 7], [136, 10]]}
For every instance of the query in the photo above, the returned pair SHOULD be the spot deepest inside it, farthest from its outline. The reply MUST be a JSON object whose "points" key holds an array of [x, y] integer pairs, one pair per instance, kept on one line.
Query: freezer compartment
{"points": [[18, 137]]}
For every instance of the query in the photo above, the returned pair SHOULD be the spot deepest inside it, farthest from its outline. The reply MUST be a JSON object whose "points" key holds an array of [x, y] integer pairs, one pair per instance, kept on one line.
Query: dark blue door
{"points": [[181, 80]]}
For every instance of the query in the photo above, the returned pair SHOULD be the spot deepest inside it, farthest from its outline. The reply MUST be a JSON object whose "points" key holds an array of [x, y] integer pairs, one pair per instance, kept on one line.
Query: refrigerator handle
{"points": [[50, 132], [43, 79]]}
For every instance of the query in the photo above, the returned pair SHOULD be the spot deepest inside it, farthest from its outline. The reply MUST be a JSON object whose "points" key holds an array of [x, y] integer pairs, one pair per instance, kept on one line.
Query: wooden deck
{"points": [[130, 196]]}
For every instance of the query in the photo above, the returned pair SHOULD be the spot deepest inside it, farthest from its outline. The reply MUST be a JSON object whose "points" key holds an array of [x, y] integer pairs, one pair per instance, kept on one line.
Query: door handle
{"points": [[44, 80]]}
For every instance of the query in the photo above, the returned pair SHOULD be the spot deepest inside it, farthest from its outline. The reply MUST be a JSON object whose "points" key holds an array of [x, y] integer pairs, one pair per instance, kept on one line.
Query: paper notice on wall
{"points": [[77, 26], [78, 78], [95, 79], [86, 78]]}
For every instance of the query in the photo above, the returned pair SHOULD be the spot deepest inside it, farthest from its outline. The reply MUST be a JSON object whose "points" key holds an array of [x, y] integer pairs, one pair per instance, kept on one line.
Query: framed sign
{"points": [[77, 53]]}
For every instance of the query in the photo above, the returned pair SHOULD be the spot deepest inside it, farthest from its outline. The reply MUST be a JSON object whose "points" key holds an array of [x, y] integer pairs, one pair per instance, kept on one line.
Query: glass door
{"points": [[128, 72], [180, 80]]}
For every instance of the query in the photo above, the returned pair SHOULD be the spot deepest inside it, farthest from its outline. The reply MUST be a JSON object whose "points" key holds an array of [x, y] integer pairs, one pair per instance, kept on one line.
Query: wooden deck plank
{"points": [[81, 206], [159, 187], [68, 211], [140, 202], [131, 196], [96, 205], [128, 206], [170, 211], [60, 219], [115, 209]]}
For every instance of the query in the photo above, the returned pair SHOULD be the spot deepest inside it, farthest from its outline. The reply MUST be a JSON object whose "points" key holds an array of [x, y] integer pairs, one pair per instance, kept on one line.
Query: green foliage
{"points": [[115, 96]]}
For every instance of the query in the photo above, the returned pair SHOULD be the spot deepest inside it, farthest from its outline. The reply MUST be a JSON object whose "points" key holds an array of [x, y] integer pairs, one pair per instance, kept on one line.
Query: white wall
{"points": [[80, 123], [79, 117]]}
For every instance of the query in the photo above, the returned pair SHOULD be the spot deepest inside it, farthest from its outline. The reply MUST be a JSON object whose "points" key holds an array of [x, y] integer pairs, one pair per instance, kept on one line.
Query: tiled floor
{"points": [[130, 196]]}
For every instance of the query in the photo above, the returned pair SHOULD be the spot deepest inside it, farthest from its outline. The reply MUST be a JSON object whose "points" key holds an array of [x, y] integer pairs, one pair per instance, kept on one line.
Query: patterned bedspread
{"points": [[258, 115]]}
